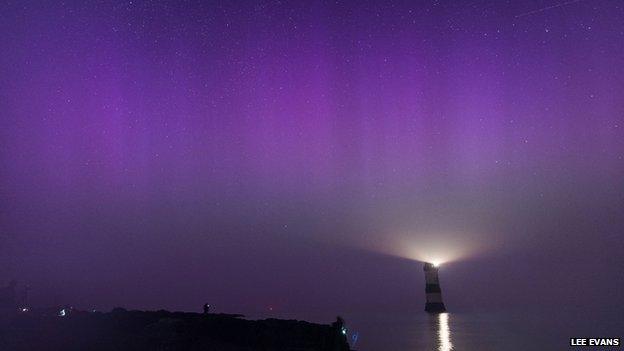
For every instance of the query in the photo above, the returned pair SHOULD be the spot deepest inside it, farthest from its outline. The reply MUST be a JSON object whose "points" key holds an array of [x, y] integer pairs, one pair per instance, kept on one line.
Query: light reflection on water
{"points": [[510, 331], [444, 333]]}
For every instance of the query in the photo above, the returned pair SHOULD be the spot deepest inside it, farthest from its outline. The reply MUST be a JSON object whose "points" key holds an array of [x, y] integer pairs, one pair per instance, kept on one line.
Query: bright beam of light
{"points": [[435, 247], [444, 333]]}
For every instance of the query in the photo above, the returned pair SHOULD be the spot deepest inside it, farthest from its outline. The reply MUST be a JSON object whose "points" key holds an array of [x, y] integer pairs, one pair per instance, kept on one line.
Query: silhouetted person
{"points": [[340, 336], [206, 308], [339, 325]]}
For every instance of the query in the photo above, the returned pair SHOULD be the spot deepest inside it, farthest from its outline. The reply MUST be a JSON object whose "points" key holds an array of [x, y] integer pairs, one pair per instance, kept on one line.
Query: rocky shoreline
{"points": [[121, 329]]}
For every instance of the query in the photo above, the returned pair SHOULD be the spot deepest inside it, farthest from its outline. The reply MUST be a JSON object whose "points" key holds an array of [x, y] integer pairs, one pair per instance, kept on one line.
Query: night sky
{"points": [[303, 158]]}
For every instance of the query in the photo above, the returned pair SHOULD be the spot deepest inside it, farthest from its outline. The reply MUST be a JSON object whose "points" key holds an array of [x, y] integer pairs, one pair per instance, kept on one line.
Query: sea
{"points": [[520, 330]]}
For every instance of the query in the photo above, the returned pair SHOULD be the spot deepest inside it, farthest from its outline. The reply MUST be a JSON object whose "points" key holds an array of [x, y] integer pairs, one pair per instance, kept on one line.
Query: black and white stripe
{"points": [[432, 289]]}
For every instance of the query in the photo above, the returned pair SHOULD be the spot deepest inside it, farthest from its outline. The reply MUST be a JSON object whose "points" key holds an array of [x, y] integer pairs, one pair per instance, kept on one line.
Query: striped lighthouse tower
{"points": [[432, 289]]}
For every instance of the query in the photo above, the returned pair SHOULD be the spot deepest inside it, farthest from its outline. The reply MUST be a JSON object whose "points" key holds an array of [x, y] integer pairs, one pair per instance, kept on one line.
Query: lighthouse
{"points": [[432, 289]]}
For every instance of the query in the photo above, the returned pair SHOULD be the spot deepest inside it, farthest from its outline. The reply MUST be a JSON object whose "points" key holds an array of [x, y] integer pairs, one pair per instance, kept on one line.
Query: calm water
{"points": [[482, 332]]}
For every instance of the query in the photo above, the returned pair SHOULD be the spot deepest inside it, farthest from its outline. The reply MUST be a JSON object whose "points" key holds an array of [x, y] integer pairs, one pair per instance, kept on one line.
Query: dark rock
{"points": [[162, 330]]}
